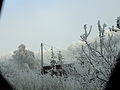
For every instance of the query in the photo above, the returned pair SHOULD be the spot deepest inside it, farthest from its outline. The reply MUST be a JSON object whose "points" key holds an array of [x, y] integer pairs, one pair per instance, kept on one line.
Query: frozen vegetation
{"points": [[93, 62]]}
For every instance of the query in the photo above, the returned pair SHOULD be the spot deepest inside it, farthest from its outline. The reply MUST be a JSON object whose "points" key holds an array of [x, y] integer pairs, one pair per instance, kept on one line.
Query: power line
{"points": [[51, 46]]}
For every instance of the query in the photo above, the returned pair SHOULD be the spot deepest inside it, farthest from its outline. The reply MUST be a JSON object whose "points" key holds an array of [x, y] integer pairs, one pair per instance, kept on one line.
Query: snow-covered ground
{"points": [[23, 78]]}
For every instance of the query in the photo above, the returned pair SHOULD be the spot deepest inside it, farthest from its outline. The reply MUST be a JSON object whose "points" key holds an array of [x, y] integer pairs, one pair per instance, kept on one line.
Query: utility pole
{"points": [[41, 58]]}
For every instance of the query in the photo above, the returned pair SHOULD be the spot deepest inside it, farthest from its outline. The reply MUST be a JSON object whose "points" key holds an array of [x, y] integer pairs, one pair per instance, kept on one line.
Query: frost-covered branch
{"points": [[86, 34]]}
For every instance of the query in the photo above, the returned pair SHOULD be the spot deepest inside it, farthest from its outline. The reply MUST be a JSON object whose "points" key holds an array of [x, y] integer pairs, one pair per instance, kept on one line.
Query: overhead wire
{"points": [[48, 48], [52, 46]]}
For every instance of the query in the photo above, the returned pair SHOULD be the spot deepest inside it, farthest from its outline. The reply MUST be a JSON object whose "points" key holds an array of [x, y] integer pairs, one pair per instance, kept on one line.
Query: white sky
{"points": [[55, 22]]}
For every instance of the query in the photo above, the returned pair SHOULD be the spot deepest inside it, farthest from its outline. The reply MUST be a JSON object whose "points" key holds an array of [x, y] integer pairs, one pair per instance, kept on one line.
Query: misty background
{"points": [[55, 22]]}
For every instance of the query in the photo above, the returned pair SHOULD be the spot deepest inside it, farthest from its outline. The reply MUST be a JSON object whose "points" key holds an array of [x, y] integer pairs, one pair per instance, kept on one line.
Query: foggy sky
{"points": [[55, 22]]}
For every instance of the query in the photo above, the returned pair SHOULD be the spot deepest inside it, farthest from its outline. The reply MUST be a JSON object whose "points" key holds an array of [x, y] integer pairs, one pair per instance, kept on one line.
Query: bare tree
{"points": [[98, 57]]}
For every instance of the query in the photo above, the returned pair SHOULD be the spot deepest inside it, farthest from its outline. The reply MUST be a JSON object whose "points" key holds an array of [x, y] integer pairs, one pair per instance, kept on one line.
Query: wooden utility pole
{"points": [[41, 58]]}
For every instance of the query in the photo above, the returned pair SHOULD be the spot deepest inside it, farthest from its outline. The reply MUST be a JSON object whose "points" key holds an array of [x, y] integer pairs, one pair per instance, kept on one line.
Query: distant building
{"points": [[65, 69]]}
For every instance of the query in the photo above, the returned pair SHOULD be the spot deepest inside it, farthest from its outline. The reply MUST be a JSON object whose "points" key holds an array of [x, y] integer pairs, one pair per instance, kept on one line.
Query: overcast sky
{"points": [[55, 22]]}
